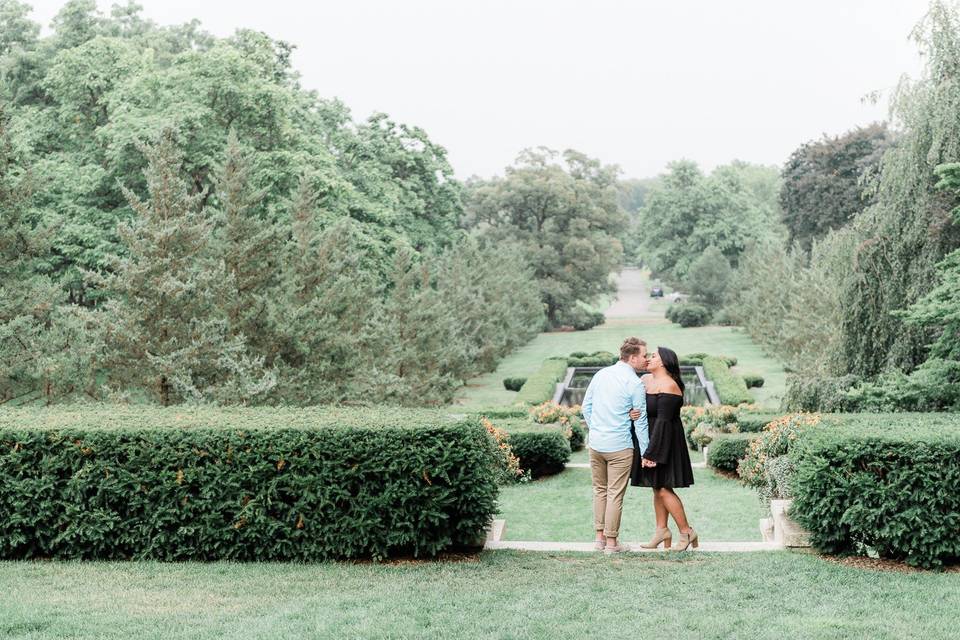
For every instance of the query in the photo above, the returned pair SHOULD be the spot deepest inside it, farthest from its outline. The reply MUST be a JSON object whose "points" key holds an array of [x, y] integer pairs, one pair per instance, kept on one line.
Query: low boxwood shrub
{"points": [[726, 450], [696, 359], [753, 380], [688, 314], [499, 413], [543, 449], [729, 386], [890, 483], [241, 484], [578, 436], [513, 384], [754, 422], [540, 386], [596, 359]]}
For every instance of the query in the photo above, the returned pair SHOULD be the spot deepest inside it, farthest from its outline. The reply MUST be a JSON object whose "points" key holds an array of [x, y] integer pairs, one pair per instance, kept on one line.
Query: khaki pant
{"points": [[611, 475]]}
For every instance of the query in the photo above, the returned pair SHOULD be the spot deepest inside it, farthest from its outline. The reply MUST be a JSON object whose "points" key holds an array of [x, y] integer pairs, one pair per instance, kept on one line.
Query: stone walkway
{"points": [[720, 547]]}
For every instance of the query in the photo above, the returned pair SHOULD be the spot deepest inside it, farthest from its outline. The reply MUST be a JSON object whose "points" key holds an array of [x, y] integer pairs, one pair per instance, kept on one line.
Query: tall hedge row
{"points": [[241, 484], [889, 482]]}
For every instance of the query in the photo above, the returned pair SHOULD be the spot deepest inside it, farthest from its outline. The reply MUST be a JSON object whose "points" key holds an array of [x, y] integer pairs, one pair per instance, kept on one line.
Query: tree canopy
{"points": [[686, 212], [824, 181], [565, 216], [223, 235]]}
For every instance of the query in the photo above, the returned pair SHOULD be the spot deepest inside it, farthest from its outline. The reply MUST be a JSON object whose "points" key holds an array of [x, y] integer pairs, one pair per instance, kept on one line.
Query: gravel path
{"points": [[633, 297]]}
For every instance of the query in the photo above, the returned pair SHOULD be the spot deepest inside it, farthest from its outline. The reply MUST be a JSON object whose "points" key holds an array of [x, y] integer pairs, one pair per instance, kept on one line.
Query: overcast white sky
{"points": [[633, 83]]}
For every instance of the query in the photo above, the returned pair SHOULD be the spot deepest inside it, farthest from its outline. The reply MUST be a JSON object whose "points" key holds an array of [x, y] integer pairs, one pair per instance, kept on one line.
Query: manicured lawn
{"points": [[487, 390], [503, 594], [559, 508]]}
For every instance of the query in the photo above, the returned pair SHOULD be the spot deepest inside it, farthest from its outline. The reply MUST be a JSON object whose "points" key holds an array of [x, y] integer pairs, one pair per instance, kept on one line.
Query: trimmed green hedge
{"points": [[726, 450], [729, 386], [696, 359], [541, 453], [500, 413], [595, 359], [514, 384], [754, 422], [578, 436], [753, 380], [241, 484], [540, 386], [689, 314], [543, 449], [887, 481]]}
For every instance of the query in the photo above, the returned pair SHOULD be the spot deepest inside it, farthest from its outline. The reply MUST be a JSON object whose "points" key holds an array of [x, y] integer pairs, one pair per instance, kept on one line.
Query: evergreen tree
{"points": [[328, 311], [167, 331], [708, 277], [494, 296], [422, 355], [27, 298], [47, 349], [250, 249]]}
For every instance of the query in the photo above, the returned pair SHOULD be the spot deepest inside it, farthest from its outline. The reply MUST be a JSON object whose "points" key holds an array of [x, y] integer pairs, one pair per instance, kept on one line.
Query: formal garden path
{"points": [[553, 514], [633, 312]]}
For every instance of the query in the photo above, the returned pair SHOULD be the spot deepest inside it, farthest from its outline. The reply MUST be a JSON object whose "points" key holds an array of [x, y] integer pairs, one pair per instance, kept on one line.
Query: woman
{"points": [[665, 465]]}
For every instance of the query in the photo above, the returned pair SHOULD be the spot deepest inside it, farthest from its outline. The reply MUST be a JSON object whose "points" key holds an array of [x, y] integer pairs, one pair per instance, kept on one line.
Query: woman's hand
{"points": [[647, 463], [634, 414]]}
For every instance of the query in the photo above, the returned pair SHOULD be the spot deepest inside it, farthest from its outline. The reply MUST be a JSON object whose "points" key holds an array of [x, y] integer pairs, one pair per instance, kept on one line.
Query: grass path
{"points": [[501, 595], [649, 324], [559, 509]]}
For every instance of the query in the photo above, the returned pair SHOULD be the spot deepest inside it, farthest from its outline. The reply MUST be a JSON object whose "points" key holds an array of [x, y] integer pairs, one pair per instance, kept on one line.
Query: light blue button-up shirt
{"points": [[611, 394]]}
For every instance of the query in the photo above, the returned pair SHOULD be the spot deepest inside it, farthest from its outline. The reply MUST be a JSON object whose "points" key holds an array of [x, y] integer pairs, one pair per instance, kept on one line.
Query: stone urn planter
{"points": [[786, 531]]}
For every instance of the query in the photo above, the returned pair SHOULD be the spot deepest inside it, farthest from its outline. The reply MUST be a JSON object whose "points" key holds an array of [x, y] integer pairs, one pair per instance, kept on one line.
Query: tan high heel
{"points": [[686, 540], [660, 535]]}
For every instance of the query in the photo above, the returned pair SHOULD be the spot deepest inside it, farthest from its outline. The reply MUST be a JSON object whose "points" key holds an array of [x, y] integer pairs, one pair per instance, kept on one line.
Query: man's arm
{"points": [[586, 409], [639, 400]]}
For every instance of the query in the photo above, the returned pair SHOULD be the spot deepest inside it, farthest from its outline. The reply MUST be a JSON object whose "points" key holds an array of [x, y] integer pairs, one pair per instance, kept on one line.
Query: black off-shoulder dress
{"points": [[668, 446]]}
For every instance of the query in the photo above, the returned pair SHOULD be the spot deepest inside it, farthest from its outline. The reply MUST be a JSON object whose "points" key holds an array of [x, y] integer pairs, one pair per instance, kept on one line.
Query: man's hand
{"points": [[648, 463], [635, 414]]}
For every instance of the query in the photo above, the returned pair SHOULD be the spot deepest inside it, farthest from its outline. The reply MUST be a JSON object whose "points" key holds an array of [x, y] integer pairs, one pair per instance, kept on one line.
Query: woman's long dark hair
{"points": [[672, 364]]}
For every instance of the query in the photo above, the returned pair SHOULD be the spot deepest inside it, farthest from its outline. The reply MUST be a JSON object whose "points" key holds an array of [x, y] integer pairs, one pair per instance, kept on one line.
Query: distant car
{"points": [[656, 292]]}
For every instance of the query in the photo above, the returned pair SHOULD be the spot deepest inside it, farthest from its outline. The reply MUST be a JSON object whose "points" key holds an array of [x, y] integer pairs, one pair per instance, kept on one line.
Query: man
{"points": [[612, 393]]}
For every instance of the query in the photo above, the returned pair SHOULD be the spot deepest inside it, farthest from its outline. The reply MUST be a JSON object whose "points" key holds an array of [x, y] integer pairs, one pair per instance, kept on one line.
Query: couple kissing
{"points": [[636, 437]]}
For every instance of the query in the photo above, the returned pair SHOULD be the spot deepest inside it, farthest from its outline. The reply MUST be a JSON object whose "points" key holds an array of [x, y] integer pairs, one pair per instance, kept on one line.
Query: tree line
{"points": [[846, 267], [180, 220]]}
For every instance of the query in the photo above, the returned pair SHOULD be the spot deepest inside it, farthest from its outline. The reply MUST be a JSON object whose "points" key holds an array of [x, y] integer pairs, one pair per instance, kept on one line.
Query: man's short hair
{"points": [[631, 347]]}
